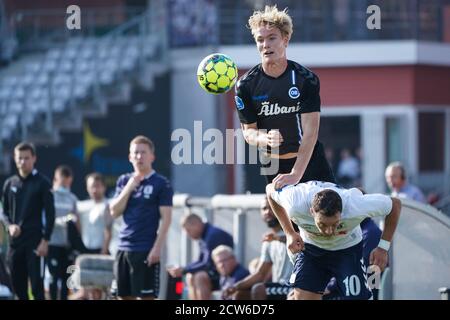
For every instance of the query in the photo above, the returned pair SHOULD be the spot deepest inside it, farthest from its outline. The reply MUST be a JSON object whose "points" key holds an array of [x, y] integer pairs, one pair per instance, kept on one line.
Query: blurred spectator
{"points": [[96, 224], [348, 169], [201, 275], [59, 244], [96, 221], [396, 179], [273, 260], [228, 267]]}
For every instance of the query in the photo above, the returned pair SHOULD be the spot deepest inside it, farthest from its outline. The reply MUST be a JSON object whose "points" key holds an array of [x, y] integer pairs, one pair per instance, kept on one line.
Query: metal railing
{"points": [[314, 21]]}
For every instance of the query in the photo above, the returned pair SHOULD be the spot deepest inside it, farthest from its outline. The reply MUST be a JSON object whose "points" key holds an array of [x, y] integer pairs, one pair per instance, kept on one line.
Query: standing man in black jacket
{"points": [[25, 196]]}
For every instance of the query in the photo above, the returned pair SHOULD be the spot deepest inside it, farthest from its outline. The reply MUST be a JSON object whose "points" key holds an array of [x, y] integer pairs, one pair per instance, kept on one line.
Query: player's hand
{"points": [[379, 257], [295, 243], [228, 292], [134, 182], [282, 180], [42, 249], [153, 256], [14, 230], [274, 138], [175, 272]]}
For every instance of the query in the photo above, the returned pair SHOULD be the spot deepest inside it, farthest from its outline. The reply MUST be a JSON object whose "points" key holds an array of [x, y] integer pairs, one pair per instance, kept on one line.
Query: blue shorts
{"points": [[314, 267]]}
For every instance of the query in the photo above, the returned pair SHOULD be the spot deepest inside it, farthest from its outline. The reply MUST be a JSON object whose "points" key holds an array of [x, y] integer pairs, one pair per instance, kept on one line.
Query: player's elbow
{"points": [[114, 211]]}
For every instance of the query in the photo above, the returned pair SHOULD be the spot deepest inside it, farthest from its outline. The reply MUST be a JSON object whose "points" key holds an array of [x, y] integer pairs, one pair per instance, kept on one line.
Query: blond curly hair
{"points": [[271, 17]]}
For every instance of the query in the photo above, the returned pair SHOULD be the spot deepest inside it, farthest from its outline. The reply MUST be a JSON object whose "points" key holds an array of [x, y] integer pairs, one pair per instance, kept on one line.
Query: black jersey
{"points": [[278, 103], [23, 202]]}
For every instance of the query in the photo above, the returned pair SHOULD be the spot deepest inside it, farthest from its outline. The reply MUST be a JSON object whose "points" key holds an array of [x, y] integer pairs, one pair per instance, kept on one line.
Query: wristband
{"points": [[384, 244]]}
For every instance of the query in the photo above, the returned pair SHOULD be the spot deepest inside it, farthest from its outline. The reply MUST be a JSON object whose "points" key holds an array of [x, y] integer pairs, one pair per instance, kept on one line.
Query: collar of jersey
{"points": [[150, 174], [288, 67]]}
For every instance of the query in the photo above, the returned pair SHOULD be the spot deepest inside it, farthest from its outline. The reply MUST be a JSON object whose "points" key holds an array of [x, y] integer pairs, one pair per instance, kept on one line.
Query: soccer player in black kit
{"points": [[278, 104]]}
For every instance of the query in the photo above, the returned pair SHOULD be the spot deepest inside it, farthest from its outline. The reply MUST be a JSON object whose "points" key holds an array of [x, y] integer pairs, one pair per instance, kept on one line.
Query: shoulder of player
{"points": [[249, 75], [42, 179], [123, 178], [305, 73], [160, 181]]}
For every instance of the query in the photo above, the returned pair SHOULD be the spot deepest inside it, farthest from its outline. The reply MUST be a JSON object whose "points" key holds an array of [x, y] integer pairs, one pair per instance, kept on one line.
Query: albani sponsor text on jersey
{"points": [[269, 109]]}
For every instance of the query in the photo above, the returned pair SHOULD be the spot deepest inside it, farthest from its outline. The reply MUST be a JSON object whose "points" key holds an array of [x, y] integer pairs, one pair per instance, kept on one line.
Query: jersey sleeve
{"points": [[370, 205], [293, 198], [246, 112], [311, 91], [120, 184], [265, 255], [166, 194]]}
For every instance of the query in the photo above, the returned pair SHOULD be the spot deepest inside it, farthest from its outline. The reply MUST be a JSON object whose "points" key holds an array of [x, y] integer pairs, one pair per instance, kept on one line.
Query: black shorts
{"points": [[277, 291], [134, 277], [318, 167]]}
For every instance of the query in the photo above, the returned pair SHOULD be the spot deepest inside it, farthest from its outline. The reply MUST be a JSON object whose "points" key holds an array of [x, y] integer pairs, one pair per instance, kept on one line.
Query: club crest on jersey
{"points": [[239, 103], [148, 190], [294, 93]]}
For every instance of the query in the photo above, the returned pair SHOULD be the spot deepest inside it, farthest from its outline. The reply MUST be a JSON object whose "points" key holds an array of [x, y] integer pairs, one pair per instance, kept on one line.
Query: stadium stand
{"points": [[44, 92]]}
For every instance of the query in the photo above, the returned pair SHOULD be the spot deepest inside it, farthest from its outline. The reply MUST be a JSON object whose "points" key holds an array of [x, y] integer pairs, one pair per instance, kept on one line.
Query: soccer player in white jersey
{"points": [[329, 243]]}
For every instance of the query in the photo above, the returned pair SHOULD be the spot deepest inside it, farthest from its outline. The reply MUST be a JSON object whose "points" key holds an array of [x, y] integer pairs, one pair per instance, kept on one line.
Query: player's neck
{"points": [[276, 68], [145, 172], [24, 174]]}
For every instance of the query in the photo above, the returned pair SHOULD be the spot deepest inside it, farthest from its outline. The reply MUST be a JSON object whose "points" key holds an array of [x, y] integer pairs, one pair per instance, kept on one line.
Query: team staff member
{"points": [[282, 98], [25, 196], [143, 197]]}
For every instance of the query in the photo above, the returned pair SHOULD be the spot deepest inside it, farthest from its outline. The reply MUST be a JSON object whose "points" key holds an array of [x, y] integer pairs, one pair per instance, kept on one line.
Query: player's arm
{"points": [[310, 111], [261, 138], [310, 125], [166, 218], [379, 256], [107, 231], [119, 203], [6, 205], [293, 240], [49, 209]]}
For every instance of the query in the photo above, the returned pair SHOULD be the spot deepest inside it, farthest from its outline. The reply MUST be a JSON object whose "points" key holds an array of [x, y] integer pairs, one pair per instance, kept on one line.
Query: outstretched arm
{"points": [[310, 125], [379, 256], [293, 240]]}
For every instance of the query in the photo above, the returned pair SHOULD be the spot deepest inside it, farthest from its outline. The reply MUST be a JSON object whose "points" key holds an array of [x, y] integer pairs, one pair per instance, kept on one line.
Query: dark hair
{"points": [[64, 171], [26, 146], [144, 140], [96, 177], [327, 202]]}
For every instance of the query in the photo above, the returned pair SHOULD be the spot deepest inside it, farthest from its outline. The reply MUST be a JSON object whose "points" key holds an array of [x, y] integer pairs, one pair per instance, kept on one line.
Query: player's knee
{"points": [[201, 278]]}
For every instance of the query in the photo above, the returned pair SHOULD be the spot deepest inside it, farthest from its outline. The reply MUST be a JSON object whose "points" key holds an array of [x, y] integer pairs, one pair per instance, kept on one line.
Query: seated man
{"points": [[201, 275], [228, 267], [273, 259], [330, 240]]}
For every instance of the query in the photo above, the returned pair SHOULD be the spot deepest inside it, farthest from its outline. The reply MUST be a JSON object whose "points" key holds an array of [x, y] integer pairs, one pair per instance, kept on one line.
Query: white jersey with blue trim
{"points": [[297, 201]]}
